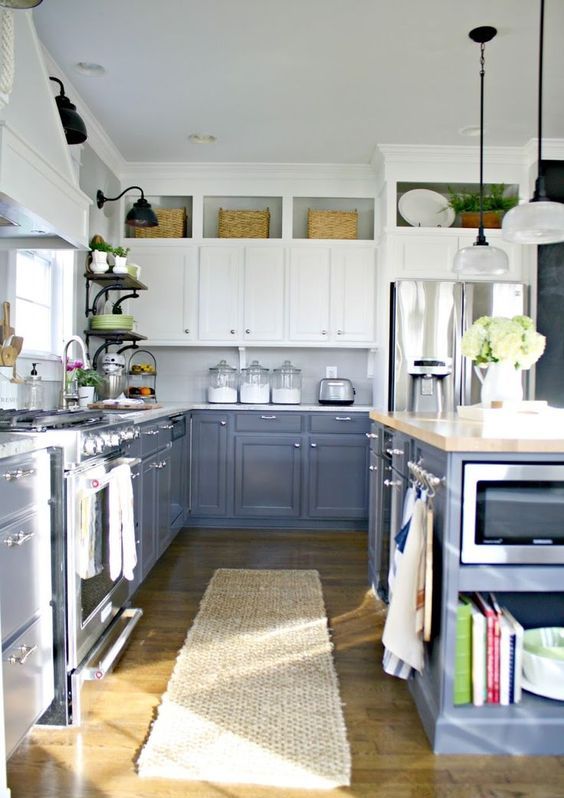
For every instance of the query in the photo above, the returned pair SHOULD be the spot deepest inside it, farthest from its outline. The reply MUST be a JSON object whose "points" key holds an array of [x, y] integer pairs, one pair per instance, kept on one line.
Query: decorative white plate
{"points": [[424, 208], [547, 691]]}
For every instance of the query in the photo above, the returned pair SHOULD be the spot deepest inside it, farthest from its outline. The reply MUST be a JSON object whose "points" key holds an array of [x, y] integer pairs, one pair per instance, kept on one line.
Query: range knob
{"points": [[115, 439], [89, 445]]}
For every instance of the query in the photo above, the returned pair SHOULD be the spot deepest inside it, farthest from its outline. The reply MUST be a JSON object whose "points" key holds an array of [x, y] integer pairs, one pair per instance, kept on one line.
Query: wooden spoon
{"points": [[6, 329], [17, 343]]}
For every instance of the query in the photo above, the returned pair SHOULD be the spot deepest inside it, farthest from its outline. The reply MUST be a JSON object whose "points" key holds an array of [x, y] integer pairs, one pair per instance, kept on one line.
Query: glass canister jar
{"points": [[255, 385], [287, 385], [222, 384]]}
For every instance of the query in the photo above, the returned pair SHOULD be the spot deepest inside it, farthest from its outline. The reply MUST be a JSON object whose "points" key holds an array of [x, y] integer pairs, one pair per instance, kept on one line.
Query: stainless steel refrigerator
{"points": [[427, 320]]}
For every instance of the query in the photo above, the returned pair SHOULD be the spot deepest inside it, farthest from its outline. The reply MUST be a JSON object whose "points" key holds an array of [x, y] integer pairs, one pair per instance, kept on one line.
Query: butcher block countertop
{"points": [[508, 432]]}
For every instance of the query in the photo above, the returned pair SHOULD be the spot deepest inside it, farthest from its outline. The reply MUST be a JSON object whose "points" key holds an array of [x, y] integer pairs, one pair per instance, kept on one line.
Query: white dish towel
{"points": [[403, 630], [123, 552]]}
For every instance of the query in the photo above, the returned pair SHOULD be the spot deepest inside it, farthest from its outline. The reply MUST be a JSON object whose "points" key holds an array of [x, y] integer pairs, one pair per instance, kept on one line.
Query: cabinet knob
{"points": [[187, 332], [222, 423], [232, 332], [372, 468], [313, 445], [339, 332], [297, 445], [323, 332], [247, 331]]}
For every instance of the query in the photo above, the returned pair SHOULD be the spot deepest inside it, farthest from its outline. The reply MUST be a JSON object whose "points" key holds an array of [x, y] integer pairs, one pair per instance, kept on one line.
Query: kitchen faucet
{"points": [[69, 397]]}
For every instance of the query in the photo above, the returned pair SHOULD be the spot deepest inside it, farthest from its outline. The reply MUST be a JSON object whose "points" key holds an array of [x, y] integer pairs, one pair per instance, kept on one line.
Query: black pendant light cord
{"points": [[540, 190], [481, 239]]}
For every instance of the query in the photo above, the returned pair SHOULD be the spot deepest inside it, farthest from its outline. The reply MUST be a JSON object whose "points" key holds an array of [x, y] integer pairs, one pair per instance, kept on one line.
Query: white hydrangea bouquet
{"points": [[496, 339]]}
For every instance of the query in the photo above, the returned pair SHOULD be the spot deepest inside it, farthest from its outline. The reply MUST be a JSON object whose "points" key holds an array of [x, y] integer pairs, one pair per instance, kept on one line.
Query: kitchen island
{"points": [[528, 579]]}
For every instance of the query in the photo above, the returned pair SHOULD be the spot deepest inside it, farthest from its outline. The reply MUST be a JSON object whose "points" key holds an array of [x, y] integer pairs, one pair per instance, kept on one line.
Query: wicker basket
{"points": [[172, 224], [332, 224], [243, 224]]}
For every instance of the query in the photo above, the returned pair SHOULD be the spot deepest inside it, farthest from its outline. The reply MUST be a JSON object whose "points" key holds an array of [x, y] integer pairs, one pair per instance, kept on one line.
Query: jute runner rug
{"points": [[253, 697]]}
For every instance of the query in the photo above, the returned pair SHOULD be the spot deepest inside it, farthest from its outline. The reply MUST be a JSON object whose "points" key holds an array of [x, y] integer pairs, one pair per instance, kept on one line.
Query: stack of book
{"points": [[489, 647]]}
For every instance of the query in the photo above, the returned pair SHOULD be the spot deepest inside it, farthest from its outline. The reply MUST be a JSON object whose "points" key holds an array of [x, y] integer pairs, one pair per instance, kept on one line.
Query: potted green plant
{"points": [[120, 260], [466, 204], [88, 380], [99, 250]]}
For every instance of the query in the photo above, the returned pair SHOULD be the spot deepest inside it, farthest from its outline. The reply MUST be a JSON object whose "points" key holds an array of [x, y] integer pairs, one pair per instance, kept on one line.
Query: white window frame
{"points": [[62, 299]]}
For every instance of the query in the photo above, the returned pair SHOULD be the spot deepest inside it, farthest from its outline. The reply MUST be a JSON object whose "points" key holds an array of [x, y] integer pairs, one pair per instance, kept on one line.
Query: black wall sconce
{"points": [[73, 125], [140, 215]]}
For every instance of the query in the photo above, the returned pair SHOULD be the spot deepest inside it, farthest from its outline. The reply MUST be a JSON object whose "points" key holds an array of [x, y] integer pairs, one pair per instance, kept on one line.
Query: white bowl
{"points": [[543, 671]]}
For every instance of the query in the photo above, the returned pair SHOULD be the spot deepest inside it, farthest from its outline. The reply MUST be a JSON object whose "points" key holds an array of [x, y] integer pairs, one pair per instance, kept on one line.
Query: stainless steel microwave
{"points": [[513, 514]]}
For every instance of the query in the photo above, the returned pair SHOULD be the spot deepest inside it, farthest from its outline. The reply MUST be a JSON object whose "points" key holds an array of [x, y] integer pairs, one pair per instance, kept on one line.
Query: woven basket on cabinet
{"points": [[332, 224], [172, 224], [243, 224]]}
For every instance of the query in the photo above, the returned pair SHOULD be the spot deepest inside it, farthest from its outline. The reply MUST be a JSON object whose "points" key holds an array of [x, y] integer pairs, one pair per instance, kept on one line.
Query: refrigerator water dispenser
{"points": [[428, 385]]}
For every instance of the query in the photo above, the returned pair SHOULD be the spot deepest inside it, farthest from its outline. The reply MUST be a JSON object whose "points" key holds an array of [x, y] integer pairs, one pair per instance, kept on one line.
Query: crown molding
{"points": [[238, 171], [98, 139], [434, 153]]}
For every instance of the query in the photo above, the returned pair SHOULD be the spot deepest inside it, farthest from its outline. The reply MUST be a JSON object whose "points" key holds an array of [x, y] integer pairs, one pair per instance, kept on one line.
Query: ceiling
{"points": [[304, 81]]}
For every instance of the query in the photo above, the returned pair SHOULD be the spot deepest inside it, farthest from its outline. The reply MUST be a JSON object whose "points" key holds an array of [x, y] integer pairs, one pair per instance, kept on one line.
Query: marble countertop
{"points": [[508, 432], [167, 409]]}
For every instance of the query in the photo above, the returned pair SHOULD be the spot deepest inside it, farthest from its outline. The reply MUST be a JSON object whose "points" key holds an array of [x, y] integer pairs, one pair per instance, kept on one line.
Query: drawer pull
{"points": [[134, 476], [20, 473], [392, 452], [163, 464], [150, 432], [18, 539], [313, 445], [392, 483], [26, 652], [268, 418], [343, 418], [371, 435], [372, 468], [297, 445], [167, 426]]}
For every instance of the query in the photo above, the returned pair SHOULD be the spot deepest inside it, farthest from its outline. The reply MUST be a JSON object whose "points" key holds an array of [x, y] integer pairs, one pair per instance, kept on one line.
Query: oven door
{"points": [[96, 587]]}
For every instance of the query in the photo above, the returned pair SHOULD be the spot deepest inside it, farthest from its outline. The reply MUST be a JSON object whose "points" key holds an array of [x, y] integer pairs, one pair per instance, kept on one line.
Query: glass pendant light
{"points": [[480, 258], [539, 221]]}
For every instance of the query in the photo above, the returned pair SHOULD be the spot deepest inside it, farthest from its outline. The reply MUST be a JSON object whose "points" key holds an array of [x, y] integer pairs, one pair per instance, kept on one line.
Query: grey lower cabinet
{"points": [[283, 468], [338, 487], [211, 464], [268, 475], [25, 593]]}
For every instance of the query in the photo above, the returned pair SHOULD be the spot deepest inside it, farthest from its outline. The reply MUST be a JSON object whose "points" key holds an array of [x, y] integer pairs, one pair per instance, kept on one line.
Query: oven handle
{"points": [[96, 480], [107, 651]]}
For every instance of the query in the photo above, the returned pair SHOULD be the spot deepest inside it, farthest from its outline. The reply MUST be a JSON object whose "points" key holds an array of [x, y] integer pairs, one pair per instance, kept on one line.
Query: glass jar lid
{"points": [[287, 368], [222, 366], [255, 367]]}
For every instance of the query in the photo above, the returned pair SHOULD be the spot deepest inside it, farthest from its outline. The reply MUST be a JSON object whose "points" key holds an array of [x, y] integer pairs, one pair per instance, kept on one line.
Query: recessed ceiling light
{"points": [[89, 68], [202, 138], [470, 130]]}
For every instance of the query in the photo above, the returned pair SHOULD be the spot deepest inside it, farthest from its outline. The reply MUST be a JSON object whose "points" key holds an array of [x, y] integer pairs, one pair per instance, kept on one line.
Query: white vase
{"points": [[120, 264], [85, 395], [99, 263], [502, 382]]}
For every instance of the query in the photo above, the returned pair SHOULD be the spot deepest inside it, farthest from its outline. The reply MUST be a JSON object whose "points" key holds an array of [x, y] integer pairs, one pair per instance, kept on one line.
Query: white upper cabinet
{"points": [[310, 278], [241, 293], [352, 294], [431, 255], [332, 294], [167, 311], [263, 294]]}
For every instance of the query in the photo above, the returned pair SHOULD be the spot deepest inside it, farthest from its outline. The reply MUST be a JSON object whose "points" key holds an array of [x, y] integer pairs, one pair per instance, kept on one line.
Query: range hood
{"points": [[41, 204]]}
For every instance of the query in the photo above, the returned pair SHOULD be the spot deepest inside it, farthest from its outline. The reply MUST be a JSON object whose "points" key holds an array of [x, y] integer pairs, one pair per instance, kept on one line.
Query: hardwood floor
{"points": [[391, 755]]}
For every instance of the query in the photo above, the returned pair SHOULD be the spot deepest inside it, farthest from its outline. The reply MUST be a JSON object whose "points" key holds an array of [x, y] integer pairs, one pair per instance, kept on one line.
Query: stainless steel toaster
{"points": [[336, 392]]}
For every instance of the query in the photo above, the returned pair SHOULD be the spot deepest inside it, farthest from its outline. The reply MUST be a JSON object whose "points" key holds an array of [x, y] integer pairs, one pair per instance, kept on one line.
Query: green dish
{"points": [[546, 641]]}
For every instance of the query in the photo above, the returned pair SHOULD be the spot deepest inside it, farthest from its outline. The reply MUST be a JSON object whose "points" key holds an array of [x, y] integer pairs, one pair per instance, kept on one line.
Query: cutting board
{"points": [[123, 408]]}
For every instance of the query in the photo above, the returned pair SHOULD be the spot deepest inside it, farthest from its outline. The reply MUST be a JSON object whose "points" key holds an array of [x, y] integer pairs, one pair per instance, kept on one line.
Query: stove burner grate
{"points": [[41, 420]]}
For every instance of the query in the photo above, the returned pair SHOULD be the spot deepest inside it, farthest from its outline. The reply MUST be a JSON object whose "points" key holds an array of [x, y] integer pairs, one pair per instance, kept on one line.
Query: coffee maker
{"points": [[428, 387]]}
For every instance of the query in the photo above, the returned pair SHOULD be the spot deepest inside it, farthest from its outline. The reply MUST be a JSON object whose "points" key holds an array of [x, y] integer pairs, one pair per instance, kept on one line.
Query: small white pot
{"points": [[99, 263], [86, 395], [120, 264]]}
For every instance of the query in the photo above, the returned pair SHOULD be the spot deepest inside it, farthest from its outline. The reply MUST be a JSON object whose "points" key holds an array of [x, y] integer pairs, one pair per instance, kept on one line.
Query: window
{"points": [[44, 304]]}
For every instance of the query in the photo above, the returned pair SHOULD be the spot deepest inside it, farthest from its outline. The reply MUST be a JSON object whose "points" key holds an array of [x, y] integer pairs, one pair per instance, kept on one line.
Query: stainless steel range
{"points": [[93, 554]]}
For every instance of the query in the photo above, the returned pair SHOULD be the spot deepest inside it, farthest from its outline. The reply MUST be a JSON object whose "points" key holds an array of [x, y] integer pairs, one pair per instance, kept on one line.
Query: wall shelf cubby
{"points": [[211, 206], [158, 203], [444, 189], [363, 205]]}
